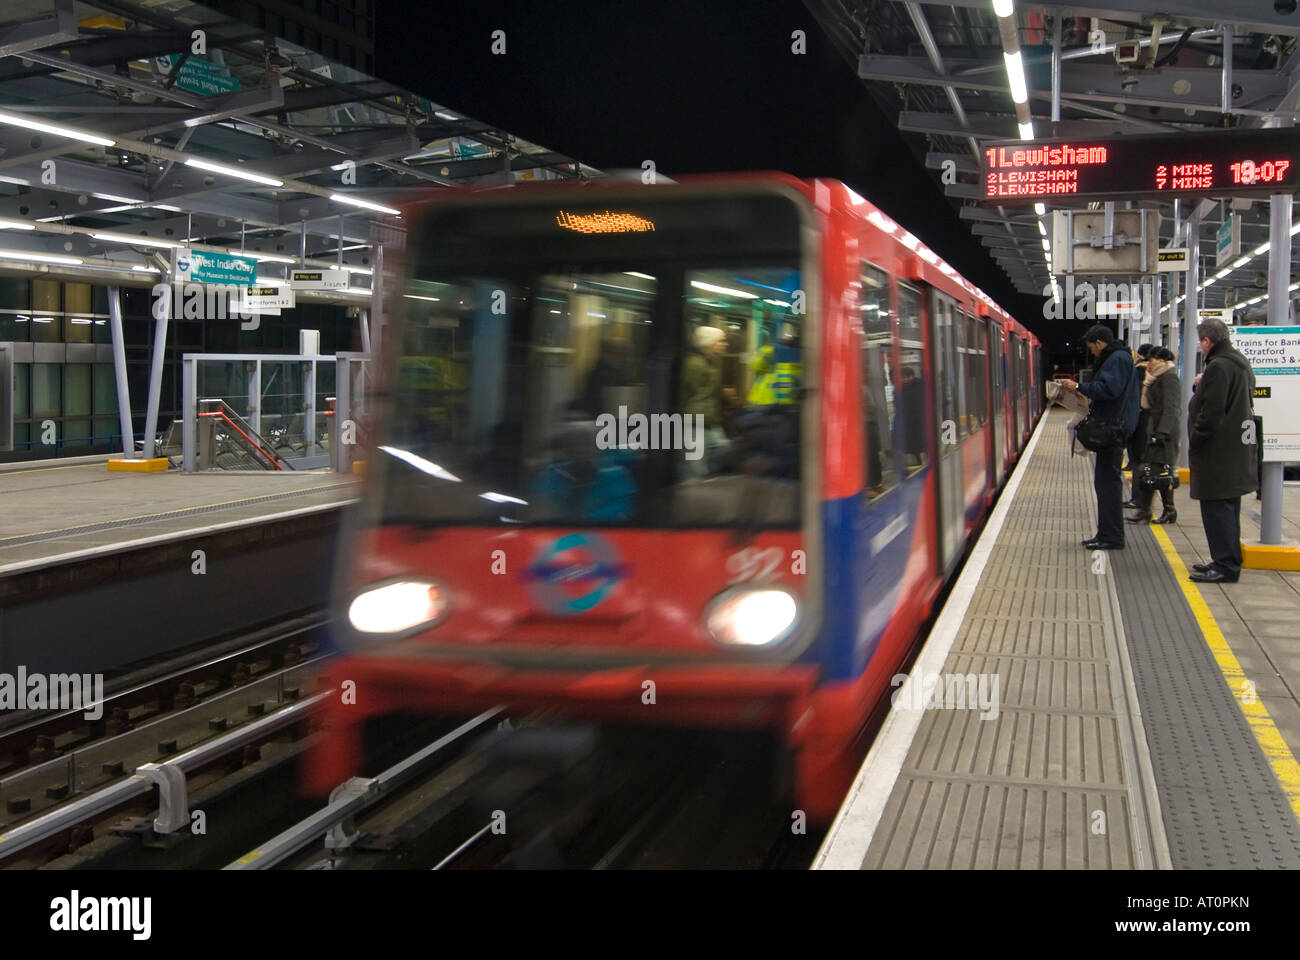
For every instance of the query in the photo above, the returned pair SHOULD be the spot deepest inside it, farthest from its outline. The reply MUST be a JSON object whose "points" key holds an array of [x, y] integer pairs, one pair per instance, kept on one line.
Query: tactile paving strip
{"points": [[1222, 804], [1053, 779]]}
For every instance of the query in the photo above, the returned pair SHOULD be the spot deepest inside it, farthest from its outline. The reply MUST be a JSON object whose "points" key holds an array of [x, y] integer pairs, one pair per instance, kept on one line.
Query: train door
{"points": [[950, 495], [1022, 389], [997, 426]]}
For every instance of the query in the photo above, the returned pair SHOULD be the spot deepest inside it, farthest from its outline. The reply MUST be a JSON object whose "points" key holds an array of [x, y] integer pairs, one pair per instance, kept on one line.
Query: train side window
{"points": [[878, 382], [909, 407]]}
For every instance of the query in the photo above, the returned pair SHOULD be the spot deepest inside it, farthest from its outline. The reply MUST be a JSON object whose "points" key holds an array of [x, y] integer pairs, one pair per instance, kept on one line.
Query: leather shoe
{"points": [[1095, 544], [1213, 575], [1138, 517], [1200, 567]]}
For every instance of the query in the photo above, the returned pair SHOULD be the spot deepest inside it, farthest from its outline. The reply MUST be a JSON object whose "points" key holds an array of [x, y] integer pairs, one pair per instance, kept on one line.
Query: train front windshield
{"points": [[633, 364]]}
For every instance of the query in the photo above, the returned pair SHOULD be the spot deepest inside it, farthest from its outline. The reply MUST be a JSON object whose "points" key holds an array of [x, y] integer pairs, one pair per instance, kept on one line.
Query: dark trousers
{"points": [[1108, 482], [1222, 521]]}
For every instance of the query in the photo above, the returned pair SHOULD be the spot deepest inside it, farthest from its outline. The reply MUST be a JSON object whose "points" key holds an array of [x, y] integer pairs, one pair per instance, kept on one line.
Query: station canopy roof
{"points": [[112, 124], [1126, 67]]}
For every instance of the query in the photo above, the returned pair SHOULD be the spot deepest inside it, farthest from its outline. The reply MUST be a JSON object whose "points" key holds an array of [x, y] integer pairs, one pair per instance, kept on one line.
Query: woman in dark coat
{"points": [[1138, 439], [1162, 394]]}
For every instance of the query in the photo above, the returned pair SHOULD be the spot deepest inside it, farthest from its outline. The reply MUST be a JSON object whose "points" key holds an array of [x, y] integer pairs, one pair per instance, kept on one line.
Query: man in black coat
{"points": [[1115, 394], [1221, 450]]}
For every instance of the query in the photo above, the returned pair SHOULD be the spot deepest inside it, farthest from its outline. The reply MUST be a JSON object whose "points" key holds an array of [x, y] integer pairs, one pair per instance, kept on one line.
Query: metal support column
{"points": [[377, 302], [119, 370], [155, 373], [1189, 340], [363, 318], [1056, 68], [1154, 336], [1279, 310], [189, 413]]}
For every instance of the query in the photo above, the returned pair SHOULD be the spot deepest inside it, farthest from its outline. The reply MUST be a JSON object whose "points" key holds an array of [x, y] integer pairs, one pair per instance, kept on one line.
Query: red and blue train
{"points": [[698, 454]]}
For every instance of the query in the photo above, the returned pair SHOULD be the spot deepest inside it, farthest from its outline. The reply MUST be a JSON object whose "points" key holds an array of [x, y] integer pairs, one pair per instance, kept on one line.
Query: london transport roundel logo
{"points": [[574, 573]]}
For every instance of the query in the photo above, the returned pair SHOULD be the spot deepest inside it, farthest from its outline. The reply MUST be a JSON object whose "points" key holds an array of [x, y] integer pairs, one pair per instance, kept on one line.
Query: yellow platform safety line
{"points": [[1279, 755]]}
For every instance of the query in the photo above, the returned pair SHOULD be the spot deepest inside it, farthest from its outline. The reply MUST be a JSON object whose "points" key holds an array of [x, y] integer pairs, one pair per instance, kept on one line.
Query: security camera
{"points": [[1127, 51]]}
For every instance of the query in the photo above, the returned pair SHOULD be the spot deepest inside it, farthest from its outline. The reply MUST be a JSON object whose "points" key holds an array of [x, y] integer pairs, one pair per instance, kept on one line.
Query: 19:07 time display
{"points": [[1268, 171]]}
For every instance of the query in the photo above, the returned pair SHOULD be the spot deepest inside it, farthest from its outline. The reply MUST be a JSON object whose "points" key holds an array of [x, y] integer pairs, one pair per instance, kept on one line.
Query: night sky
{"points": [[695, 87]]}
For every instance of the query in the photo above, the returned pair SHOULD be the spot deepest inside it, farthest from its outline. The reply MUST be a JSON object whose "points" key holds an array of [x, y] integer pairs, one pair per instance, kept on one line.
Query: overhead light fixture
{"points": [[1042, 229], [633, 273], [1241, 263], [776, 303], [1003, 8], [713, 288], [416, 296], [444, 115], [234, 172], [1223, 273], [1027, 130], [366, 270], [15, 225], [134, 241], [139, 269], [357, 291], [1261, 249], [1040, 209], [165, 206], [55, 129], [110, 196], [269, 258], [39, 257], [355, 202], [1016, 77]]}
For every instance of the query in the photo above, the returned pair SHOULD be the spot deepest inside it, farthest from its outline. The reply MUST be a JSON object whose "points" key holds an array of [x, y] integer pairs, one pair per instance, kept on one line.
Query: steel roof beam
{"points": [[1259, 17], [45, 31]]}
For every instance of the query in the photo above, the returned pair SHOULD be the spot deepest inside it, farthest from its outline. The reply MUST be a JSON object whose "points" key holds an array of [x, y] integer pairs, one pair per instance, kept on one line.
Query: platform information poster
{"points": [[1274, 355]]}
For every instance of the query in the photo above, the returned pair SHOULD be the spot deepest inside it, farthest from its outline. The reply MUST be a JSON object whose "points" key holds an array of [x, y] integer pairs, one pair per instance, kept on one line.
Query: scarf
{"points": [[1154, 369]]}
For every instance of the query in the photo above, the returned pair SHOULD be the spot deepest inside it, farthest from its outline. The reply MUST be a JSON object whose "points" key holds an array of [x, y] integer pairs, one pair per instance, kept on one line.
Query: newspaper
{"points": [[1077, 404]]}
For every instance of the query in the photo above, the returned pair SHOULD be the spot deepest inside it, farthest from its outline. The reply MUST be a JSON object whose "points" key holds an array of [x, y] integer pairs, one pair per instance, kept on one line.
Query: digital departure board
{"points": [[1230, 162]]}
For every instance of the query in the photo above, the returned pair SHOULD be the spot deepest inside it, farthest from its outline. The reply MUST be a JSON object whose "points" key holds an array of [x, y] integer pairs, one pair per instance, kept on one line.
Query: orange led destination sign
{"points": [[1230, 162], [607, 222]]}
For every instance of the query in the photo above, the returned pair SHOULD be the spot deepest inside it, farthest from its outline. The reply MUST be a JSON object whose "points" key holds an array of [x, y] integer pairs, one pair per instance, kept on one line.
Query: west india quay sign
{"points": [[1235, 161]]}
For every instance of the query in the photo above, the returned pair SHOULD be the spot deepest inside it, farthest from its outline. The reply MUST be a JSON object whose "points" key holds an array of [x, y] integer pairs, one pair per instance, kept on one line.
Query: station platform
{"points": [[54, 511], [1141, 721]]}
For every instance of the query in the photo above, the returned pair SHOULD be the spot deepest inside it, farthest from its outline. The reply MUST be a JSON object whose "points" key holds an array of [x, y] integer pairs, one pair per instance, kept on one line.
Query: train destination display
{"points": [[1235, 161]]}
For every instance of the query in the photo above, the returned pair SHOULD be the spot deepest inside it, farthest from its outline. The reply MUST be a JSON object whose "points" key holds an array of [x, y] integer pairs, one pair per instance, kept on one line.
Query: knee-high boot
{"points": [[1142, 498], [1169, 514]]}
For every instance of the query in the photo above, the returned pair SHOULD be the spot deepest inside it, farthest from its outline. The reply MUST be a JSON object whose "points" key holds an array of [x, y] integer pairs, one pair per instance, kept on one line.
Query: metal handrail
{"points": [[140, 783]]}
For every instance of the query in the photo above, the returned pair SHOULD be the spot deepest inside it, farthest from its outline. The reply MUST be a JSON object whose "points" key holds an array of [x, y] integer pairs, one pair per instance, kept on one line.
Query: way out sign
{"points": [[1173, 260], [267, 299], [331, 279]]}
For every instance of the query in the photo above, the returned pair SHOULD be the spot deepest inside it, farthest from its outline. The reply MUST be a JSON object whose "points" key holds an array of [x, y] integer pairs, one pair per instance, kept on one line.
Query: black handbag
{"points": [[1097, 435], [1159, 476]]}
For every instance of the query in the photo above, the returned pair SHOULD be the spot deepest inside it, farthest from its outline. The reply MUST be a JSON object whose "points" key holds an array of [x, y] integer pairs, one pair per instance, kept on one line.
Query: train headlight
{"points": [[398, 606], [752, 616]]}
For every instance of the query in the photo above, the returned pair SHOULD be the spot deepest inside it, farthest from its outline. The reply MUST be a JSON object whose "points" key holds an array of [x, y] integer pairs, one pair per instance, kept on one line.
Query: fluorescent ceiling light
{"points": [[776, 303], [40, 257], [443, 114], [1027, 130], [110, 196], [234, 172], [1003, 8], [271, 258], [1042, 229], [633, 273], [135, 241], [1208, 282], [357, 291], [15, 225], [416, 296], [701, 285], [1223, 273], [1040, 209], [165, 206], [1295, 228], [1241, 263], [366, 270], [1016, 77], [353, 201], [55, 129], [139, 269]]}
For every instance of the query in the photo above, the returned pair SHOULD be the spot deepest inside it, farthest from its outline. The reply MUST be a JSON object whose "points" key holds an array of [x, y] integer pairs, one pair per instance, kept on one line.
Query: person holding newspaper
{"points": [[1114, 391]]}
